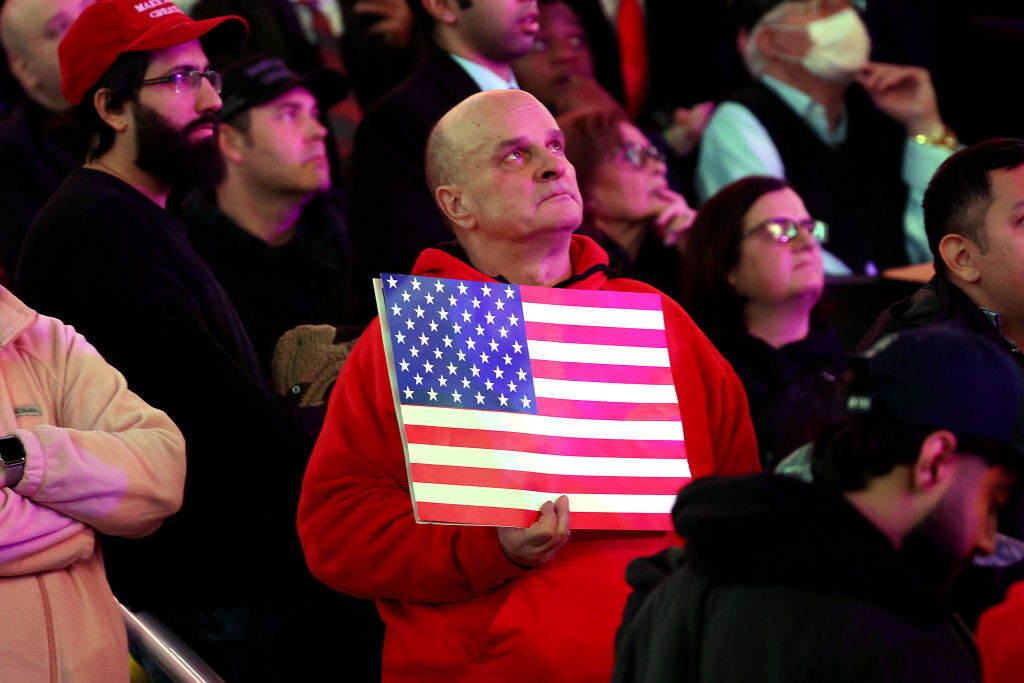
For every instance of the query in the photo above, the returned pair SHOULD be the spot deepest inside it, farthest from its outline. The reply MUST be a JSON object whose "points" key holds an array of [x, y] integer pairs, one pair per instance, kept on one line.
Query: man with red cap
{"points": [[105, 255]]}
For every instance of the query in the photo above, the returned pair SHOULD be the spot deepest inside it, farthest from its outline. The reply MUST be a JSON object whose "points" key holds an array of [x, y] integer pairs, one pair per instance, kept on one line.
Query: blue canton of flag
{"points": [[459, 344]]}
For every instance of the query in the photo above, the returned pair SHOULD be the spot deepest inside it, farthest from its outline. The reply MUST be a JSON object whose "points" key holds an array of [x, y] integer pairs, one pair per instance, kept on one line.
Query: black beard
{"points": [[172, 156], [928, 549]]}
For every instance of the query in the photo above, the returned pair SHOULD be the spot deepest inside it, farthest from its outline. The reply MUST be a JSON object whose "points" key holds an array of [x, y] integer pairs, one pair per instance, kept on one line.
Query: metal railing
{"points": [[178, 660]]}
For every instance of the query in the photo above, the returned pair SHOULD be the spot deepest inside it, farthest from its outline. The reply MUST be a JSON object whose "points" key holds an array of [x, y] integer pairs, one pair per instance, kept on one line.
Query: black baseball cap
{"points": [[944, 377], [257, 79]]}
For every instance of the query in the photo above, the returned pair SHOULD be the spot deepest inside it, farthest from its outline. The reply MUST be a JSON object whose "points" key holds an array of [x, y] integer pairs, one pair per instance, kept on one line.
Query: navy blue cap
{"points": [[943, 377]]}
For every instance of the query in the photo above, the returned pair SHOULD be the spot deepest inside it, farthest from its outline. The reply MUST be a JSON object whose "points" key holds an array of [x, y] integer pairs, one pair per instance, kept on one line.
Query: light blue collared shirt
{"points": [[484, 78], [736, 145]]}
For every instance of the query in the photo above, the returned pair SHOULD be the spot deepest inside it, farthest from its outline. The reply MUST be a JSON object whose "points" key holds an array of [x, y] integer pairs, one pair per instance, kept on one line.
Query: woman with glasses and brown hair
{"points": [[628, 205], [751, 277]]}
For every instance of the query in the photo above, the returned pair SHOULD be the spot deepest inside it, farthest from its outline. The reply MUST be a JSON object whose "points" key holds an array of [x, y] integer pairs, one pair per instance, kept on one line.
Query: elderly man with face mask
{"points": [[857, 140]]}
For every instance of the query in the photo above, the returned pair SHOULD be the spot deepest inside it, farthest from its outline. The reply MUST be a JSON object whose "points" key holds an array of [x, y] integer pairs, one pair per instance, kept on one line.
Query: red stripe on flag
{"points": [[582, 334], [625, 521], [533, 443], [597, 299], [469, 514], [607, 410], [536, 481], [596, 372]]}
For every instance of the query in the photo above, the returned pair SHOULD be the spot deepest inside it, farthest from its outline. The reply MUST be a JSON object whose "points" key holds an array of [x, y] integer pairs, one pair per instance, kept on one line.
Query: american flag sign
{"points": [[509, 396]]}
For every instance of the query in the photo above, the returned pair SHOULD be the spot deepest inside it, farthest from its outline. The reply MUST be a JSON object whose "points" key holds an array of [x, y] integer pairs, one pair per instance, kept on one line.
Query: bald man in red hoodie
{"points": [[496, 603]]}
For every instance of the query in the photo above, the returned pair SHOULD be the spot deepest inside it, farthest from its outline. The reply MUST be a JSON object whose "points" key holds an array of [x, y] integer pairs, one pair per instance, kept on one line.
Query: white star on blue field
{"points": [[459, 344]]}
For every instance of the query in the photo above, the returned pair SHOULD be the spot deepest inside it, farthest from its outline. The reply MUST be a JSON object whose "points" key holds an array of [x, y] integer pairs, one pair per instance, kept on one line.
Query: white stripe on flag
{"points": [[600, 354], [542, 463], [458, 418], [604, 391], [483, 496], [593, 316]]}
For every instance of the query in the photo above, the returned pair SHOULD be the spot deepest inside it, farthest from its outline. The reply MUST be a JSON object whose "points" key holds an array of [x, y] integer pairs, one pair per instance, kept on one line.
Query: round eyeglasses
{"points": [[785, 229], [637, 155], [191, 78]]}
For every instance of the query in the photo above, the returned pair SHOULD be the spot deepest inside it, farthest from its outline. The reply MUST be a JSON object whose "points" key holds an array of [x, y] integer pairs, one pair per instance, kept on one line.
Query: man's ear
{"points": [[116, 118], [935, 463], [742, 36], [441, 10], [773, 43], [765, 44], [231, 141], [960, 255], [450, 200]]}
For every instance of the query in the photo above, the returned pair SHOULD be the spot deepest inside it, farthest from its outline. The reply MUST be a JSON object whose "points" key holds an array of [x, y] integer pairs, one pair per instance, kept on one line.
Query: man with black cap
{"points": [[226, 574], [844, 579], [272, 231]]}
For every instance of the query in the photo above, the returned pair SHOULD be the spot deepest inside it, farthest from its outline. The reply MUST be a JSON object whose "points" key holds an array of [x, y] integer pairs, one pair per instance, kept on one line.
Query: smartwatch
{"points": [[12, 460]]}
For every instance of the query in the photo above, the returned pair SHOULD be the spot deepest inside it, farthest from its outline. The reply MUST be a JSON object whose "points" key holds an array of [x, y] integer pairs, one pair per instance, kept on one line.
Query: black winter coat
{"points": [[785, 582]]}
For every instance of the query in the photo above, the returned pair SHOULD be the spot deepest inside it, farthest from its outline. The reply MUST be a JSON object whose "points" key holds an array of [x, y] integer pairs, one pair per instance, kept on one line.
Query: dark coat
{"points": [[855, 187], [938, 301], [789, 388], [392, 215], [782, 581], [275, 288], [103, 257], [32, 167]]}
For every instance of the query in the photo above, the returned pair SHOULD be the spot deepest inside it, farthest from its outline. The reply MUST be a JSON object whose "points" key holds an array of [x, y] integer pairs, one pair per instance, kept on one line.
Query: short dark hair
{"points": [[81, 131], [960, 192], [713, 250], [423, 21], [847, 455]]}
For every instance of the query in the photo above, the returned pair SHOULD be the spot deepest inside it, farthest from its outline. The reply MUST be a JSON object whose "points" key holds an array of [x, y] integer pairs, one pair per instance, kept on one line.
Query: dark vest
{"points": [[856, 188]]}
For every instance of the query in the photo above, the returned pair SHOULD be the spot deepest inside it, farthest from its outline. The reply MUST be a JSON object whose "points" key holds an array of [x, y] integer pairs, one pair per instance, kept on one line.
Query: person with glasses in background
{"points": [[629, 207], [226, 574], [752, 275]]}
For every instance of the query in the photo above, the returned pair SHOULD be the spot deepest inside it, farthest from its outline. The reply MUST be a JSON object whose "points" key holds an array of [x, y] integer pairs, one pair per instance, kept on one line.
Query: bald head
{"points": [[496, 164], [30, 31], [465, 127]]}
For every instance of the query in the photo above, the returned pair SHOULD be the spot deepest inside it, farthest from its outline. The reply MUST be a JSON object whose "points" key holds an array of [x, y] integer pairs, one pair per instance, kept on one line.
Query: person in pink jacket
{"points": [[465, 603], [80, 455]]}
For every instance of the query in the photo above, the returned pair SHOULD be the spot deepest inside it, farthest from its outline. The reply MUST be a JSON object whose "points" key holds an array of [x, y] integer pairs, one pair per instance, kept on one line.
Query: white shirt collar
{"points": [[484, 77], [810, 111]]}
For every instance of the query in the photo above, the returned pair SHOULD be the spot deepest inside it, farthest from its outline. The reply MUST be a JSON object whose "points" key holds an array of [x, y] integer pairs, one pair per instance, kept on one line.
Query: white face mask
{"points": [[839, 46]]}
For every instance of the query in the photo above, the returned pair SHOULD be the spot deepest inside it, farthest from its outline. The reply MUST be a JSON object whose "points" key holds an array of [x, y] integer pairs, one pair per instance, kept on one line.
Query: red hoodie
{"points": [[455, 607], [1001, 639]]}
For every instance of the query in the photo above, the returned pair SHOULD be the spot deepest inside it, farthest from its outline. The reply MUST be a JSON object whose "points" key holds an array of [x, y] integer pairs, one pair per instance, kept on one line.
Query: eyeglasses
{"points": [[637, 155], [785, 229], [191, 78]]}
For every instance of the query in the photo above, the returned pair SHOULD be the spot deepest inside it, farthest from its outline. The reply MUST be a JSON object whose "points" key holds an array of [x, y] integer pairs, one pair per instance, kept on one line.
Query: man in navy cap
{"points": [[845, 579]]}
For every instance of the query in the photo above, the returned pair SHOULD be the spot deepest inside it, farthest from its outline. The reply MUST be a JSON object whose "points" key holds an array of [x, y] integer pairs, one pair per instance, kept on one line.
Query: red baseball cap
{"points": [[109, 28]]}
